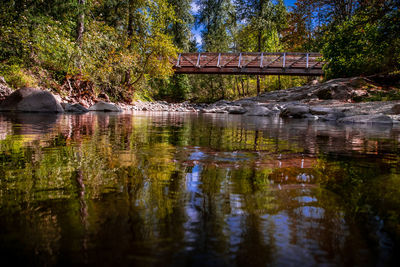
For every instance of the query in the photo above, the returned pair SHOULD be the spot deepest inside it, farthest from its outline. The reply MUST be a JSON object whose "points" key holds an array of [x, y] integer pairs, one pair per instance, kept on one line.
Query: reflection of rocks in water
{"points": [[5, 127], [31, 123], [75, 127]]}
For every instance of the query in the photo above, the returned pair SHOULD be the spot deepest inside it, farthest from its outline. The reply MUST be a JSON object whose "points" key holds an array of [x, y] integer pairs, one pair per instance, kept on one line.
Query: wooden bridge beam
{"points": [[287, 63], [250, 71]]}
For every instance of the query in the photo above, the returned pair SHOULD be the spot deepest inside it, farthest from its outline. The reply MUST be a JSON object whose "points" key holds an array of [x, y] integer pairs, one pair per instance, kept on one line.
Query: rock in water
{"points": [[236, 110], [368, 119], [259, 111], [31, 100], [74, 108], [321, 110], [106, 107], [295, 111]]}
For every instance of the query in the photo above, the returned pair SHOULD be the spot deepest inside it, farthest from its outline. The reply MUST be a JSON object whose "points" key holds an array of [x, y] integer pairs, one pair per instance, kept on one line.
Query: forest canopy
{"points": [[122, 48]]}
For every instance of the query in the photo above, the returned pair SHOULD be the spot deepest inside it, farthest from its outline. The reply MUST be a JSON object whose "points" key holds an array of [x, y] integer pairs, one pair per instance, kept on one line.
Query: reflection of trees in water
{"points": [[126, 178]]}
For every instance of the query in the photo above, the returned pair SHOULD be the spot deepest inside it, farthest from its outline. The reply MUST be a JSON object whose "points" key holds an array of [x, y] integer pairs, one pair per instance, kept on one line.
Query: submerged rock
{"points": [[106, 107], [31, 100]]}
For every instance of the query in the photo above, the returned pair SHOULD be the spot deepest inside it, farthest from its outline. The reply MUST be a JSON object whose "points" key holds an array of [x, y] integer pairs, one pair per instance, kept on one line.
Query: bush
{"points": [[18, 77]]}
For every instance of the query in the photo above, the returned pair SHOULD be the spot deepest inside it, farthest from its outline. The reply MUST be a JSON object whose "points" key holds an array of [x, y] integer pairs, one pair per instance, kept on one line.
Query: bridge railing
{"points": [[286, 63]]}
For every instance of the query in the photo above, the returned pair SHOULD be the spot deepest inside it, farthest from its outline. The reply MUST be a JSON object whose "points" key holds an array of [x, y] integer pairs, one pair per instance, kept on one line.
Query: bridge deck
{"points": [[290, 63]]}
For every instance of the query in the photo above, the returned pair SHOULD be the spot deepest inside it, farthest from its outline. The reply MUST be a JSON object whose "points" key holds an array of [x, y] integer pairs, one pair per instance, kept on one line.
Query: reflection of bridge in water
{"points": [[288, 63]]}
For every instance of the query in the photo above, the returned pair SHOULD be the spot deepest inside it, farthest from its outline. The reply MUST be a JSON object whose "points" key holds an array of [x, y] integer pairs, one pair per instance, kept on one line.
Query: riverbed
{"points": [[193, 189]]}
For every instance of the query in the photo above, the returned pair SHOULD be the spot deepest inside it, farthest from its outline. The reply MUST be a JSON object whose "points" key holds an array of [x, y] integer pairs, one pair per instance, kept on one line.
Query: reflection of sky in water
{"points": [[287, 232], [310, 212], [218, 157], [234, 230], [305, 199], [194, 203], [198, 155], [231, 157], [235, 201], [303, 177]]}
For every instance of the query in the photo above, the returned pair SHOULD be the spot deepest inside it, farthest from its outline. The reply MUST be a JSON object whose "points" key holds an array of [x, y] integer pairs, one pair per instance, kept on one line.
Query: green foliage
{"points": [[125, 46], [18, 77], [176, 88], [118, 54], [355, 47], [266, 19], [383, 96]]}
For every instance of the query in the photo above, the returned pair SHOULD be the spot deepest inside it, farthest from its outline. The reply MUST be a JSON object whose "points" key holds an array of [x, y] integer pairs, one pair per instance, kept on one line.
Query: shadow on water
{"points": [[197, 189], [29, 123]]}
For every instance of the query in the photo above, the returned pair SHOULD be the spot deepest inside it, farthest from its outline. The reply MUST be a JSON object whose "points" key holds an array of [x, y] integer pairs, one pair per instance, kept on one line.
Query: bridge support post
{"points": [[179, 59], [198, 61], [284, 60], [307, 61]]}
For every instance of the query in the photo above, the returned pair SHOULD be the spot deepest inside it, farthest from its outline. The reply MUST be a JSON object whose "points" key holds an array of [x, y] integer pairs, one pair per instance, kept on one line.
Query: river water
{"points": [[179, 189]]}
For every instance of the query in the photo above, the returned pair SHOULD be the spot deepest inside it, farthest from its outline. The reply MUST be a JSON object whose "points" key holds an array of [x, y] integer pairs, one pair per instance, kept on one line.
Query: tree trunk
{"points": [[279, 82], [259, 37], [212, 90], [81, 23], [80, 28], [130, 22], [242, 83], [259, 50], [129, 33], [236, 85], [222, 86]]}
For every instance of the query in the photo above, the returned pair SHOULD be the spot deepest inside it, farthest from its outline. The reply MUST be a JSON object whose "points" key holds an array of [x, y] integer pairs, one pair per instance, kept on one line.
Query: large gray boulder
{"points": [[259, 111], [295, 111], [236, 110], [368, 119], [106, 107], [31, 100]]}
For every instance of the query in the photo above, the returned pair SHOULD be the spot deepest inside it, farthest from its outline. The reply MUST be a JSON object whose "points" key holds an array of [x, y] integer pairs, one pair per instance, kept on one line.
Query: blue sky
{"points": [[289, 2], [196, 32]]}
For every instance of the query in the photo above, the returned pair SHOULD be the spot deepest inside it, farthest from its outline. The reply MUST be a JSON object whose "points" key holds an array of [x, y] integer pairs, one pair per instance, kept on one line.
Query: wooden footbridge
{"points": [[290, 63]]}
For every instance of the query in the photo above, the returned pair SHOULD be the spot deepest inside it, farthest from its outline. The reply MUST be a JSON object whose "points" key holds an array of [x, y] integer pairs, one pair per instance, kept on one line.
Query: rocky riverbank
{"points": [[335, 100]]}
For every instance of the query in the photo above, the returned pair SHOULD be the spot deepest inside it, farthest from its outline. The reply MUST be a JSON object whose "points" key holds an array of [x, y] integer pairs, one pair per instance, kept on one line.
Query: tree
{"points": [[217, 20], [367, 43], [178, 87], [263, 19]]}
